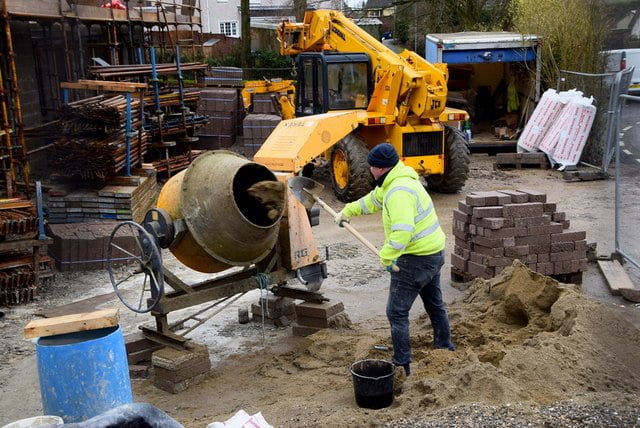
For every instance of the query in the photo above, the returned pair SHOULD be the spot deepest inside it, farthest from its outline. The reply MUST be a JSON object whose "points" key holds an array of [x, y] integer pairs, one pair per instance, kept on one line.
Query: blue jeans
{"points": [[418, 275]]}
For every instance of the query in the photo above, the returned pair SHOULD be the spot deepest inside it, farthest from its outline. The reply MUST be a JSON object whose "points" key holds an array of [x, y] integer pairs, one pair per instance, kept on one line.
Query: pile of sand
{"points": [[521, 337]]}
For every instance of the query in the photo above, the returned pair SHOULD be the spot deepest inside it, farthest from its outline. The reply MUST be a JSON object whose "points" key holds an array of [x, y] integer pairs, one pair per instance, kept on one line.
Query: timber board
{"points": [[616, 276], [71, 323]]}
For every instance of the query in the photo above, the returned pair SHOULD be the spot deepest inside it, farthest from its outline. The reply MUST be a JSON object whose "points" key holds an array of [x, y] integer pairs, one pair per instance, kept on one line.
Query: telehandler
{"points": [[354, 93]]}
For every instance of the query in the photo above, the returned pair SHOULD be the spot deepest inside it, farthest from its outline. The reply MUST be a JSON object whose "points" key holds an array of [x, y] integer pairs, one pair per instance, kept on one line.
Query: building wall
{"points": [[27, 78], [216, 11]]}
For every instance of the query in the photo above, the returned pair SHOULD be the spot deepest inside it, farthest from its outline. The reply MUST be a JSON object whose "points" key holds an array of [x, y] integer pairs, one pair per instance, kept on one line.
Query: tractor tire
{"points": [[350, 173], [456, 164]]}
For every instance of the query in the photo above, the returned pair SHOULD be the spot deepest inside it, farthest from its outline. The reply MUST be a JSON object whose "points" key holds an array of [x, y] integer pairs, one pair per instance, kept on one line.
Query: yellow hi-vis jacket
{"points": [[409, 218]]}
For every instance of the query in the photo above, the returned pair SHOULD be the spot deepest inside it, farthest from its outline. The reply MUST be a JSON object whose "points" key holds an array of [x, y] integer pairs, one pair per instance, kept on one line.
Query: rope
{"points": [[263, 282]]}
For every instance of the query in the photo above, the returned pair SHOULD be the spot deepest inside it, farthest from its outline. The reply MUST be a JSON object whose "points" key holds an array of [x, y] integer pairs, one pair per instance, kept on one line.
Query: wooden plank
{"points": [[81, 306], [615, 275], [103, 85], [71, 323]]}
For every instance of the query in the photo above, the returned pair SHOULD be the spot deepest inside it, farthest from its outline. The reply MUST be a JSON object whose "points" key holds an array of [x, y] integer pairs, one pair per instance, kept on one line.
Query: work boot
{"points": [[406, 367]]}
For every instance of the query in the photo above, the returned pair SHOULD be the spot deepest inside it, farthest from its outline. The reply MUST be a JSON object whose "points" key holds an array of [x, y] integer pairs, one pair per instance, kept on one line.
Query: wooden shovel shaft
{"points": [[351, 229]]}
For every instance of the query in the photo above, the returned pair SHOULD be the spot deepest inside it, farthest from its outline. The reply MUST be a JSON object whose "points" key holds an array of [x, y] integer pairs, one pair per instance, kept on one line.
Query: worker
{"points": [[414, 242]]}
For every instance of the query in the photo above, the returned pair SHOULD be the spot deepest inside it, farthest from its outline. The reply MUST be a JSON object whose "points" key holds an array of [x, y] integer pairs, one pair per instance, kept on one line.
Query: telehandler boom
{"points": [[354, 93]]}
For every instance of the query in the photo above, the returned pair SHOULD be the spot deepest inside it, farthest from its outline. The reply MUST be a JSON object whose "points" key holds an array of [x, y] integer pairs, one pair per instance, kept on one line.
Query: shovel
{"points": [[307, 190]]}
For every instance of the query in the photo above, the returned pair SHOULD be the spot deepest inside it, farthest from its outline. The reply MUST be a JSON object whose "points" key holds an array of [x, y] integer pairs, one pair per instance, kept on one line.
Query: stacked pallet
{"points": [[492, 229], [123, 198], [84, 246], [223, 107], [257, 128], [24, 265]]}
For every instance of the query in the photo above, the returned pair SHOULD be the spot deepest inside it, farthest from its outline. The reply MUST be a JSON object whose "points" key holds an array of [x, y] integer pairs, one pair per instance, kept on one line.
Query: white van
{"points": [[619, 59]]}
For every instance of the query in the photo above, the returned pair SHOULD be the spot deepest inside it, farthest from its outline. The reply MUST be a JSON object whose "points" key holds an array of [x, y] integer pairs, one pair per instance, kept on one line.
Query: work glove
{"points": [[342, 218], [389, 265]]}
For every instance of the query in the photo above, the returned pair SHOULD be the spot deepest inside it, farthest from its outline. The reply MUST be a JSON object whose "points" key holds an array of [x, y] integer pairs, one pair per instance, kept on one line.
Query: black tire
{"points": [[456, 164], [350, 173]]}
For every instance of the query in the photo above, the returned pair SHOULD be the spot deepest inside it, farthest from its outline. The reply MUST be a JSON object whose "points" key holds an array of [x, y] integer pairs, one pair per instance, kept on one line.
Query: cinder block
{"points": [[319, 310]]}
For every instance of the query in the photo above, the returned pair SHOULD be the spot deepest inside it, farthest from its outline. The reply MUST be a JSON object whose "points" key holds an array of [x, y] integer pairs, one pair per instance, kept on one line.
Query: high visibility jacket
{"points": [[409, 218]]}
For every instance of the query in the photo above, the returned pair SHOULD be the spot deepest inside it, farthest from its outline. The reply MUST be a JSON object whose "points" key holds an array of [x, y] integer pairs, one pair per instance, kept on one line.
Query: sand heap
{"points": [[522, 337]]}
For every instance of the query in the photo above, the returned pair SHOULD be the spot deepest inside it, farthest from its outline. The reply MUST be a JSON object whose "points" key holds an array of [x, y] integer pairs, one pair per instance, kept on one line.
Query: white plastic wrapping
{"points": [[548, 109]]}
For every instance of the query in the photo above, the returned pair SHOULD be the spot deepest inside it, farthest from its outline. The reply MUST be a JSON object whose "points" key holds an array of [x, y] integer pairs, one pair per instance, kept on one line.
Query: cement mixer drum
{"points": [[225, 225]]}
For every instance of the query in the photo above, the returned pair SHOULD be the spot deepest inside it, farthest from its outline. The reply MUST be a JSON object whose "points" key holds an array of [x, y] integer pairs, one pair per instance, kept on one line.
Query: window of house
{"points": [[374, 13], [229, 28]]}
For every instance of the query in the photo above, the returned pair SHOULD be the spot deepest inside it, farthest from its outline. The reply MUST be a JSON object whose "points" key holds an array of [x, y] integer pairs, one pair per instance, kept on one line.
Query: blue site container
{"points": [[83, 374]]}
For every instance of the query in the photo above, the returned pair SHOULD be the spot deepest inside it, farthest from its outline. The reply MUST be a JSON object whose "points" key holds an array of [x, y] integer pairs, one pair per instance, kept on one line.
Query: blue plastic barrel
{"points": [[83, 374]]}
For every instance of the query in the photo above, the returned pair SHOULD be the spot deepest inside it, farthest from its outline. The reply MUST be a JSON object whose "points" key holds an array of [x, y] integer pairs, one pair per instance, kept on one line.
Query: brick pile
{"points": [[263, 103], [83, 246], [492, 229], [123, 198], [257, 128], [278, 310], [313, 317], [175, 370], [223, 76], [522, 160], [223, 107]]}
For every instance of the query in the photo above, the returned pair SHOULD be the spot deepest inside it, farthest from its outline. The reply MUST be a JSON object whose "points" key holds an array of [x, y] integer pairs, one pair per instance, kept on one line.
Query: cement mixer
{"points": [[207, 218]]}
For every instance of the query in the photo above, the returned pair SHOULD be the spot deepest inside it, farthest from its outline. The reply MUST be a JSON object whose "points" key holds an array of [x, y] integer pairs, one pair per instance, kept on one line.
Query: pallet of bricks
{"points": [[24, 264], [223, 107], [494, 228], [257, 128], [122, 198], [84, 246]]}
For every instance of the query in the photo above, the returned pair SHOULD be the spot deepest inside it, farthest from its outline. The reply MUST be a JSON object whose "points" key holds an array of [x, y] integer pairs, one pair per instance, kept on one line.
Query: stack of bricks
{"points": [[257, 128], [175, 370], [223, 77], [263, 103], [224, 109], [84, 246], [313, 317], [278, 310], [520, 160], [494, 228]]}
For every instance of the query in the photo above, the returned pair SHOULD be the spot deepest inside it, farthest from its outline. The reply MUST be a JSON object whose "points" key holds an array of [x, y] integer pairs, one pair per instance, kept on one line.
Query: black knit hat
{"points": [[383, 156]]}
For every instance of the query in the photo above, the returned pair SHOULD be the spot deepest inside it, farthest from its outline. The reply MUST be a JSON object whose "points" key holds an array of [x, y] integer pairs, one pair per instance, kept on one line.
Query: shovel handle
{"points": [[352, 230]]}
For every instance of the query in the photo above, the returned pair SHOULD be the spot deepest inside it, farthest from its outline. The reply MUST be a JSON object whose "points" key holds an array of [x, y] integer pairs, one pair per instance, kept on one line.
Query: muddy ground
{"points": [[523, 339]]}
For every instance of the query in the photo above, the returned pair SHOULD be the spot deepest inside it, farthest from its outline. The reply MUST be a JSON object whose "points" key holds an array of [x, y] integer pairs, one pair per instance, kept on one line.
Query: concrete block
{"points": [[319, 310], [568, 236], [487, 212]]}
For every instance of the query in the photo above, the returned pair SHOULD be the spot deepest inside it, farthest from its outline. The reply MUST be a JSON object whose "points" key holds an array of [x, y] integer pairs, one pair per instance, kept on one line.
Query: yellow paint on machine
{"points": [[294, 143]]}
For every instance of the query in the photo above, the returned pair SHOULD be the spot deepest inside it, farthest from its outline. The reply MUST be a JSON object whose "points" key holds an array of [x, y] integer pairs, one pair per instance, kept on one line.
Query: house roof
{"points": [[378, 4]]}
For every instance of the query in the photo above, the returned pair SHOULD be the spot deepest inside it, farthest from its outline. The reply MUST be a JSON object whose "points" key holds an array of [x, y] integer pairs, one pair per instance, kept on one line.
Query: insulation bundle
{"points": [[548, 109], [565, 141]]}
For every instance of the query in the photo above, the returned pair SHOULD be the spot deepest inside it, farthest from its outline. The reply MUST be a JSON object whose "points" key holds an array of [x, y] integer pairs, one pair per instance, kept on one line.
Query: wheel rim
{"points": [[340, 169]]}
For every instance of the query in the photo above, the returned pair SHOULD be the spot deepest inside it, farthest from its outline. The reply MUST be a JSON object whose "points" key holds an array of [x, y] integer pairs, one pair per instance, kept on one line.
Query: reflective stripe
{"points": [[424, 214], [405, 227], [363, 207], [375, 202], [397, 246], [428, 231]]}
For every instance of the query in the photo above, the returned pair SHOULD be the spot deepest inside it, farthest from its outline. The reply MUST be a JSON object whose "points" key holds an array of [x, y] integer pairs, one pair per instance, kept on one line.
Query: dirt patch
{"points": [[521, 337]]}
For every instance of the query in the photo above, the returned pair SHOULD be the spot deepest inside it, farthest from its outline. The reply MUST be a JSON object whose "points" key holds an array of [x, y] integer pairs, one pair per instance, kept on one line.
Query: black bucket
{"points": [[373, 383]]}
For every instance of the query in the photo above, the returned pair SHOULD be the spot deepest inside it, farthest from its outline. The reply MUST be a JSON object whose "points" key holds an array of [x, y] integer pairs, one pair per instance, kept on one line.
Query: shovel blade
{"points": [[305, 190]]}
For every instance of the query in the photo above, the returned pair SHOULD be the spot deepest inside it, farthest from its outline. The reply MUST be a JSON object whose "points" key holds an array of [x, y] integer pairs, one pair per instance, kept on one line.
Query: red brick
{"points": [[568, 236], [534, 196], [476, 269], [533, 240], [460, 216], [487, 212], [516, 196], [516, 251], [459, 262], [490, 222], [528, 209], [531, 221], [319, 310], [465, 208]]}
